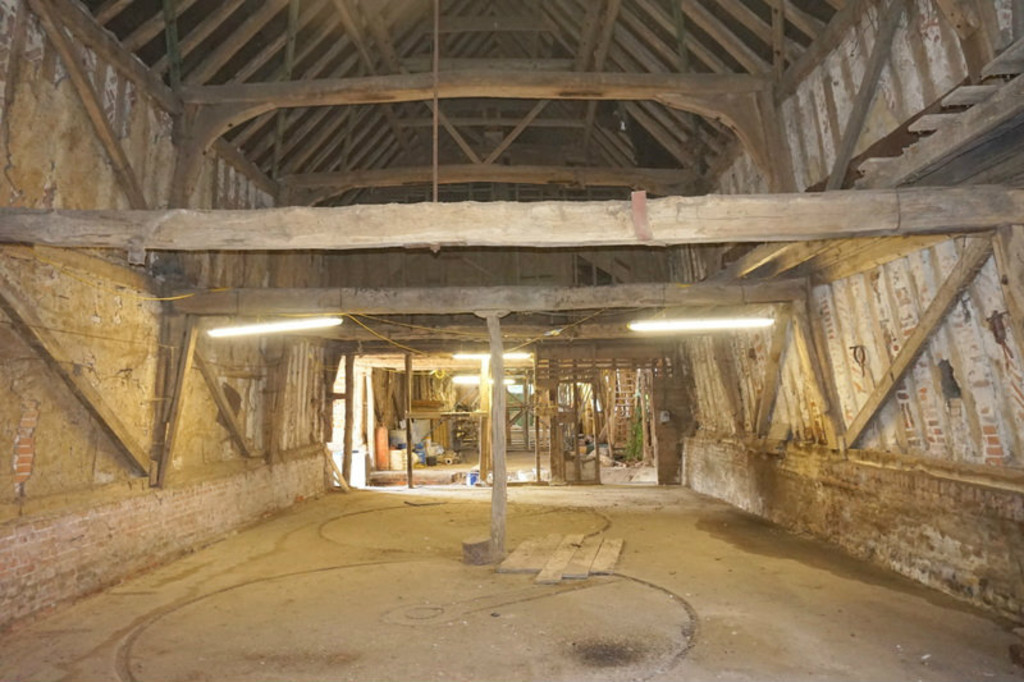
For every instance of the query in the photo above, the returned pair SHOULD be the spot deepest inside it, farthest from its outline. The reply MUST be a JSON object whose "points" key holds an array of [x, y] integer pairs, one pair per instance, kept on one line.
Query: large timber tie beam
{"points": [[669, 221], [454, 300], [309, 188]]}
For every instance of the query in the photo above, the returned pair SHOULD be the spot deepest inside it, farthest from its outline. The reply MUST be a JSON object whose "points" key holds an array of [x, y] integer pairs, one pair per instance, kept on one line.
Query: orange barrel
{"points": [[381, 456]]}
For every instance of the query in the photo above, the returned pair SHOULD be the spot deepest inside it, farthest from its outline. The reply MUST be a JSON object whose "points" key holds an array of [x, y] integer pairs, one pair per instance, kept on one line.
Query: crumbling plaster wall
{"points": [[72, 517]]}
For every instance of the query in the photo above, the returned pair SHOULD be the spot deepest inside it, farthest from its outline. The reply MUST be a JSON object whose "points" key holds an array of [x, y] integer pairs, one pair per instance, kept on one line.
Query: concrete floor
{"points": [[370, 586]]}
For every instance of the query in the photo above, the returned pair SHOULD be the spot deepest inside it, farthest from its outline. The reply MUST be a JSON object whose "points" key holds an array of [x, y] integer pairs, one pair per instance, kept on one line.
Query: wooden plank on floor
{"points": [[531, 555], [579, 567], [607, 557], [552, 571]]}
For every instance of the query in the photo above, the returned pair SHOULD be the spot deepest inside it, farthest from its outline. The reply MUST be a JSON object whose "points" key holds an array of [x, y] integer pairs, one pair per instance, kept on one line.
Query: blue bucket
{"points": [[472, 477]]}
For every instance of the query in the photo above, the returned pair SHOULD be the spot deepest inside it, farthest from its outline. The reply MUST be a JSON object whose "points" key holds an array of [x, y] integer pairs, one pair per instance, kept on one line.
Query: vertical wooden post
{"points": [[536, 430], [500, 482], [597, 431], [484, 431], [408, 417], [186, 353], [556, 459], [576, 458], [346, 462], [778, 39], [816, 364]]}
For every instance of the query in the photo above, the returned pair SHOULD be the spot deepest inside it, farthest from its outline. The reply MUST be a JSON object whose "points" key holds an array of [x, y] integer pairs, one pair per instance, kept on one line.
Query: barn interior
{"points": [[649, 269]]}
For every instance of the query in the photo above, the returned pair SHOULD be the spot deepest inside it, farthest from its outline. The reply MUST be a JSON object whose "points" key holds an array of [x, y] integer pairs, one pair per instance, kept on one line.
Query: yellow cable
{"points": [[355, 319]]}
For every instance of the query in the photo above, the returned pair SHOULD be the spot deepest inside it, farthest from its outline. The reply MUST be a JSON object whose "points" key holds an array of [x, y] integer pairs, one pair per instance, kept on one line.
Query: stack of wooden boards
{"points": [[559, 557]]}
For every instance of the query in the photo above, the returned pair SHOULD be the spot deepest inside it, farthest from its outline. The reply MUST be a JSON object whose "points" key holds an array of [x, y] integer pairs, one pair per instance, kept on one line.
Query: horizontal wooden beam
{"points": [[671, 220], [481, 84], [452, 300], [523, 23], [655, 180], [425, 64]]}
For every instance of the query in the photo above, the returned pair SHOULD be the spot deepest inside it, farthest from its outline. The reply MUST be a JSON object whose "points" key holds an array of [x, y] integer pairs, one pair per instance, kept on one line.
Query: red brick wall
{"points": [[50, 559], [964, 537]]}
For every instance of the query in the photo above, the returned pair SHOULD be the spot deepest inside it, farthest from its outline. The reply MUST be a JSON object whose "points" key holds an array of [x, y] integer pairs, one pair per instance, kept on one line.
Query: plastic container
{"points": [[472, 477], [397, 458]]}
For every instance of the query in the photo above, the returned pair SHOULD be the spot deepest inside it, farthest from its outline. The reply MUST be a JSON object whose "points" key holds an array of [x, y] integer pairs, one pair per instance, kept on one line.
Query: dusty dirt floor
{"points": [[370, 586]]}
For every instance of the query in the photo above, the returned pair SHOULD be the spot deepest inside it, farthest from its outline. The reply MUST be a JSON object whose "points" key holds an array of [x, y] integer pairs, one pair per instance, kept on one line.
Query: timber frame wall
{"points": [[90, 352], [888, 415]]}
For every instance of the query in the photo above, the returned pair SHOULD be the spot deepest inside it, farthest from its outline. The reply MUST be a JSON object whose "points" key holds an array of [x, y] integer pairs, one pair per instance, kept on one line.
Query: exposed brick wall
{"points": [[25, 445], [961, 537], [46, 560]]}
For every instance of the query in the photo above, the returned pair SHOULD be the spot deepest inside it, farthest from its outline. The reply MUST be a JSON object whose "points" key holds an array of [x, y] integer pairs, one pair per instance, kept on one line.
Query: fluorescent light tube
{"points": [[709, 324], [276, 327], [487, 356]]}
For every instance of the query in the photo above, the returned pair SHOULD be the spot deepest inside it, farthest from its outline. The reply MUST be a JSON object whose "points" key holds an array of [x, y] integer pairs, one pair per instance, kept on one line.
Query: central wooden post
{"points": [[500, 476], [408, 417], [350, 371]]}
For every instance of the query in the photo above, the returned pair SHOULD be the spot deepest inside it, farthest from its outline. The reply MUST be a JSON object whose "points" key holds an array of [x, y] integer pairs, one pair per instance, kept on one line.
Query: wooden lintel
{"points": [[978, 251], [672, 220], [224, 406], [450, 300], [319, 186], [36, 333]]}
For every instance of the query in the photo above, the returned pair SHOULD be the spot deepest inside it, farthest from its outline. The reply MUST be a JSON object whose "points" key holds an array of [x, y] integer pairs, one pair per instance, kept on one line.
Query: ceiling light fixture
{"points": [[276, 327], [707, 324]]}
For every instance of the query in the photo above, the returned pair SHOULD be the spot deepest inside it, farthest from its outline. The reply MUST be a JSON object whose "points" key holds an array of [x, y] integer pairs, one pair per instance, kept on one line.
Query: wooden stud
{"points": [[772, 376], [814, 363], [408, 418], [350, 370], [500, 472], [174, 404], [170, 11], [1009, 252]]}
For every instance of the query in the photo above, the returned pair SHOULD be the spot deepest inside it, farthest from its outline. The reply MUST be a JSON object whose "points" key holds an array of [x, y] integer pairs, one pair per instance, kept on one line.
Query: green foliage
{"points": [[635, 444]]}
